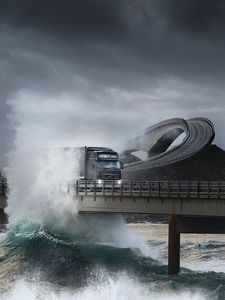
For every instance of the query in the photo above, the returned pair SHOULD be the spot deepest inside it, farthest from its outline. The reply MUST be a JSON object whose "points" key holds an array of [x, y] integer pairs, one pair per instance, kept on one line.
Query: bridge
{"points": [[192, 207], [158, 142]]}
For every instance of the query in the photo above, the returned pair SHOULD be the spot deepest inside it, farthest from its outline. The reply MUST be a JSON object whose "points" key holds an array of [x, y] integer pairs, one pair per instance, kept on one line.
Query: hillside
{"points": [[207, 165]]}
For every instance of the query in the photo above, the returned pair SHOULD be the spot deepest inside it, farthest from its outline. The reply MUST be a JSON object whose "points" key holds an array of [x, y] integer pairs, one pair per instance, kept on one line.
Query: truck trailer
{"points": [[99, 163]]}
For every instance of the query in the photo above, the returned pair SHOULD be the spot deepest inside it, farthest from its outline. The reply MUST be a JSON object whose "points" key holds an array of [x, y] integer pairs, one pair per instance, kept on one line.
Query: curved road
{"points": [[199, 132]]}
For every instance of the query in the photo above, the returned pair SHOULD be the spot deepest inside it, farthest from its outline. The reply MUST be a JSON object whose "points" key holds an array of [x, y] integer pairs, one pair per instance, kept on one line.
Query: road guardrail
{"points": [[151, 189]]}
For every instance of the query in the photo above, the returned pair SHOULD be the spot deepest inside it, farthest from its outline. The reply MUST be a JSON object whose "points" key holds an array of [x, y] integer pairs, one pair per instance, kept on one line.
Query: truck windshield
{"points": [[108, 164]]}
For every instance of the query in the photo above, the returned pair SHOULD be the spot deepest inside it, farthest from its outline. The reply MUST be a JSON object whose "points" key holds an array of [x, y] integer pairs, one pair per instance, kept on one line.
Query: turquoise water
{"points": [[42, 262]]}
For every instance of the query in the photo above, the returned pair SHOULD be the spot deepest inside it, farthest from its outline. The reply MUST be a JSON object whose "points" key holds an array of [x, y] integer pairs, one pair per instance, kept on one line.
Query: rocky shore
{"points": [[207, 165]]}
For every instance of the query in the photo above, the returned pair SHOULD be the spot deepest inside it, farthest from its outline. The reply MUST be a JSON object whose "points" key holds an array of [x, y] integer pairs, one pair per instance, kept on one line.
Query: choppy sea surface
{"points": [[42, 262]]}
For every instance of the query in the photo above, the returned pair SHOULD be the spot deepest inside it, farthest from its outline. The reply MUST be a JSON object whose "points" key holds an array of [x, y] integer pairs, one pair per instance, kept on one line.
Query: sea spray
{"points": [[119, 288], [38, 176], [38, 183]]}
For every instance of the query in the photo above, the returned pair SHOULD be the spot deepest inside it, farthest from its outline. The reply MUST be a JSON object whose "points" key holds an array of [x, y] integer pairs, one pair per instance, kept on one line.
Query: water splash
{"points": [[120, 288], [38, 180], [38, 183]]}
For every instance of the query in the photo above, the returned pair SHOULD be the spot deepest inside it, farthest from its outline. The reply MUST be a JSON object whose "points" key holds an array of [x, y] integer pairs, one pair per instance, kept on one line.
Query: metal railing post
{"points": [[150, 189], [113, 189], [85, 187], [103, 188], [140, 187], [77, 187], [94, 190]]}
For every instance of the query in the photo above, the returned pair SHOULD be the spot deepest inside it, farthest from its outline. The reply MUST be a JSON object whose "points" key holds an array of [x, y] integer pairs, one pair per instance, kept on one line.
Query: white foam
{"points": [[3, 236], [121, 288]]}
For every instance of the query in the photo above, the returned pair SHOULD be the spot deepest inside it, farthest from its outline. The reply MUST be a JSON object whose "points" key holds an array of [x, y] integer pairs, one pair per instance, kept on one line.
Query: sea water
{"points": [[50, 251], [45, 263]]}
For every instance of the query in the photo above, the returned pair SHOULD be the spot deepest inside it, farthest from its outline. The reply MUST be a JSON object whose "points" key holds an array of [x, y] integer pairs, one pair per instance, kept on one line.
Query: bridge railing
{"points": [[151, 189]]}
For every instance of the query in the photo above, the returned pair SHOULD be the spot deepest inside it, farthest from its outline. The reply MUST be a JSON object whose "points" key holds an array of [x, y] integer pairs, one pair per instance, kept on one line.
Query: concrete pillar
{"points": [[173, 247]]}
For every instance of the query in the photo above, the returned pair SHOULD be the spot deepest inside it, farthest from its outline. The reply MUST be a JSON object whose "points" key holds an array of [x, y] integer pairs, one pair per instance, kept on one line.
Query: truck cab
{"points": [[102, 164]]}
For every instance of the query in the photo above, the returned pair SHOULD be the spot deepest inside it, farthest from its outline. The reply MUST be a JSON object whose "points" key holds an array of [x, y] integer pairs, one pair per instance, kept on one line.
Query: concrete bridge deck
{"points": [[156, 197]]}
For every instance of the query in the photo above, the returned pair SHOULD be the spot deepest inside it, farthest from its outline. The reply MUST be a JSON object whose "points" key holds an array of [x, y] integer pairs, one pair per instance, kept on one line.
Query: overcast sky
{"points": [[94, 72]]}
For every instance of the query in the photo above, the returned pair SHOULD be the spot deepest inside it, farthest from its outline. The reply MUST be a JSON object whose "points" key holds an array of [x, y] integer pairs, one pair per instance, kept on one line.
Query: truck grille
{"points": [[110, 177]]}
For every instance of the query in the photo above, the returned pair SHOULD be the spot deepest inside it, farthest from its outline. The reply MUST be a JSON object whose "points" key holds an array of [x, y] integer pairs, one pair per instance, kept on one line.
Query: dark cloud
{"points": [[119, 39], [186, 16], [200, 16], [68, 17], [112, 18], [124, 63]]}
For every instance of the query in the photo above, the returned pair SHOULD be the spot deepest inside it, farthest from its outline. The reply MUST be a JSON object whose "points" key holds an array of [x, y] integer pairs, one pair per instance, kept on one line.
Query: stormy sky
{"points": [[94, 72]]}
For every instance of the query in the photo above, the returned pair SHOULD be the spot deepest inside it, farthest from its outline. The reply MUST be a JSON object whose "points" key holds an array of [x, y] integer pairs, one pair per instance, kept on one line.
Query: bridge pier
{"points": [[187, 224], [173, 246]]}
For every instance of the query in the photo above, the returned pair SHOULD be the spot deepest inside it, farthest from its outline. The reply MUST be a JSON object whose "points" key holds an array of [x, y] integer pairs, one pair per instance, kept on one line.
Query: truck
{"points": [[100, 163]]}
